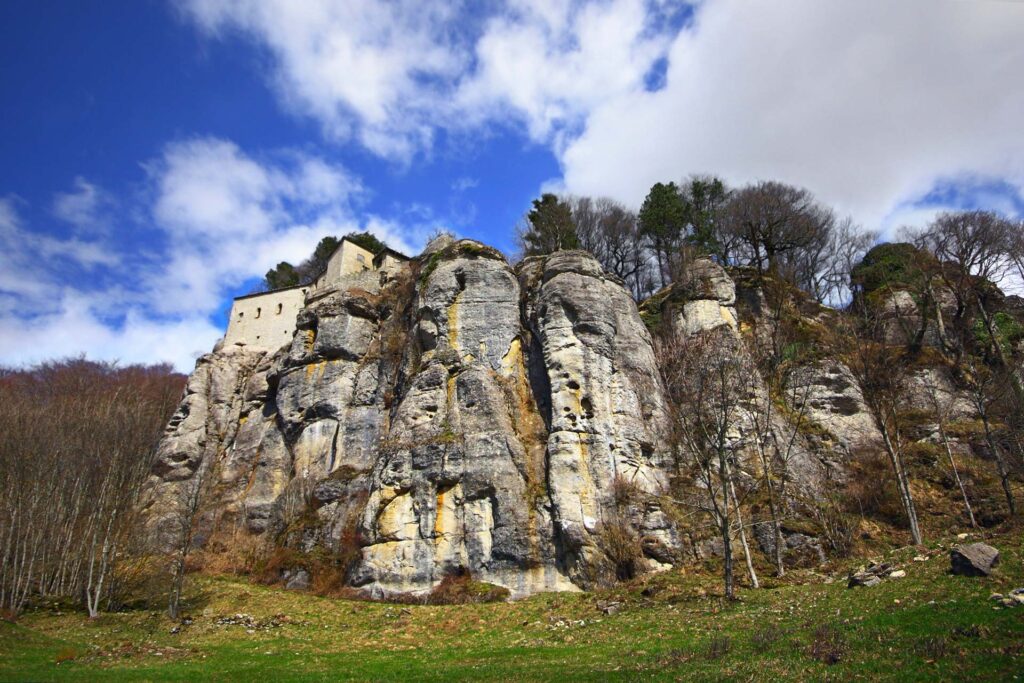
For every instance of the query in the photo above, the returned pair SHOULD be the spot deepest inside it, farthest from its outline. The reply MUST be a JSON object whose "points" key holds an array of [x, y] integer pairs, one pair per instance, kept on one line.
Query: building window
{"points": [[280, 307], [360, 258], [258, 310], [240, 314]]}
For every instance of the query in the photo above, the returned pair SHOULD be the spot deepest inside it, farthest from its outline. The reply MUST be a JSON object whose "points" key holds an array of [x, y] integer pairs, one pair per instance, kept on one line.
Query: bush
{"points": [[828, 645], [763, 638], [459, 588], [871, 491], [621, 548], [891, 264], [719, 647]]}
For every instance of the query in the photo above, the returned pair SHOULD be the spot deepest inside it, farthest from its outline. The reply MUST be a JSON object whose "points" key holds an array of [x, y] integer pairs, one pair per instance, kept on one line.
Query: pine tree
{"points": [[550, 227], [662, 217]]}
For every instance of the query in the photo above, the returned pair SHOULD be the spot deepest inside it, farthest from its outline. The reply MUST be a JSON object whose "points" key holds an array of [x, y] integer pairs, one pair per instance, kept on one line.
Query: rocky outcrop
{"points": [[461, 416]]}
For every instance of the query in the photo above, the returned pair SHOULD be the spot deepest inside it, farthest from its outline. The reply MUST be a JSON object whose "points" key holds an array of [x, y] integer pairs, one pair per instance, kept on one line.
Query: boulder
{"points": [[975, 559], [296, 580]]}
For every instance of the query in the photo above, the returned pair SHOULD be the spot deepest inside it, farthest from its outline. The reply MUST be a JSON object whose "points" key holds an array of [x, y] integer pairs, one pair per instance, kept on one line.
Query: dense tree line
{"points": [[772, 227], [76, 445]]}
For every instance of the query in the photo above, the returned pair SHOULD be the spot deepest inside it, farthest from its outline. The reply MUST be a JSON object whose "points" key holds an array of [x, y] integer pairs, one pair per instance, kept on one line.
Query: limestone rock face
{"points": [[708, 299], [461, 416], [604, 406], [834, 401]]}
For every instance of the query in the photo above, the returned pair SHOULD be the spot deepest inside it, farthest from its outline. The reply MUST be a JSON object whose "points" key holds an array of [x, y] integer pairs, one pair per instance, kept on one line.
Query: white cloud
{"points": [[82, 206], [869, 104], [229, 217], [220, 217], [350, 64], [391, 74]]}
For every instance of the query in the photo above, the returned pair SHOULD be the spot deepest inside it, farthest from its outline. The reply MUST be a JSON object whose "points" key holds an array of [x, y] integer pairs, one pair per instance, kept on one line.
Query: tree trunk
{"points": [[903, 486], [1004, 471], [743, 537], [956, 475]]}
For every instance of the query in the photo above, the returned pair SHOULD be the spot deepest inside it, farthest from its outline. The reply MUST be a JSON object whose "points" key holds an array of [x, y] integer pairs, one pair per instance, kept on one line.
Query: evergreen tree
{"points": [[282, 275], [703, 198], [662, 217], [550, 227]]}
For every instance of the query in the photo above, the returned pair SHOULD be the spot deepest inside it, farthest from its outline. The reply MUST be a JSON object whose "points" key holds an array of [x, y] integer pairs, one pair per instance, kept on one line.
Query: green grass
{"points": [[942, 627]]}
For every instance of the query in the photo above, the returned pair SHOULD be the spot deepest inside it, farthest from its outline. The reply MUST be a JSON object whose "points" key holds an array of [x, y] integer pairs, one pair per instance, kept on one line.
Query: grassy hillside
{"points": [[928, 625]]}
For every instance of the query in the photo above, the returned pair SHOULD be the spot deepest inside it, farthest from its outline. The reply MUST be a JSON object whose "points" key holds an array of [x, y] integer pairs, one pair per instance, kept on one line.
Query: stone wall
{"points": [[348, 259], [265, 321]]}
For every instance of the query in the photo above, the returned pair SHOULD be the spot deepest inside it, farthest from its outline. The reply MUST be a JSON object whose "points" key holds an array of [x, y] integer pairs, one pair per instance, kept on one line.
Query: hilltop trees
{"points": [[284, 274], [610, 232]]}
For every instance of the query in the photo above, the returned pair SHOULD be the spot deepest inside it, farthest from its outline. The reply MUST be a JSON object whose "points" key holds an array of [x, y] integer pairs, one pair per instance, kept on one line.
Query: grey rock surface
{"points": [[974, 559]]}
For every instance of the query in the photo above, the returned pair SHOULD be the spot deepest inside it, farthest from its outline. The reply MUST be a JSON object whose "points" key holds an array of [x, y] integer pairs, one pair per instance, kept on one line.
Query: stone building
{"points": [[267, 320]]}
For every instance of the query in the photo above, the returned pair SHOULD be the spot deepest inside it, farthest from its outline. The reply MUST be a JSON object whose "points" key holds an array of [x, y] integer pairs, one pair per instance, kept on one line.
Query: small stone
{"points": [[898, 574], [920, 558], [961, 537]]}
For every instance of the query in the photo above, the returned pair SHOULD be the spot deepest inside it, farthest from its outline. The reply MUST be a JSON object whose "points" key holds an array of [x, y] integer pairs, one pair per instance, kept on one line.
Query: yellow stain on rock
{"points": [[453, 322], [439, 516]]}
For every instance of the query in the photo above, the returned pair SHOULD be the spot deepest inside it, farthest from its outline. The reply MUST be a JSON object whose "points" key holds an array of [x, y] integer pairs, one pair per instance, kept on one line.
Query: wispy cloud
{"points": [[869, 104], [389, 75], [216, 217], [83, 206]]}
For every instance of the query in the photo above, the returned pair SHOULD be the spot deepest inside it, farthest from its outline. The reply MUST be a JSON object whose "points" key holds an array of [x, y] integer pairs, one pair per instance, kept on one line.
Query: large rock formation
{"points": [[461, 415]]}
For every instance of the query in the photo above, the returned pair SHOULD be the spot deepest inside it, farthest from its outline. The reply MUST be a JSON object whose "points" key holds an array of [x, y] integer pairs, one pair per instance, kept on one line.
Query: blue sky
{"points": [[157, 157]]}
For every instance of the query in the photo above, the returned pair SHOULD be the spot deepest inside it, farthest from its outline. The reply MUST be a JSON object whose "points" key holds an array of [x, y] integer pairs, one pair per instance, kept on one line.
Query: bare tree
{"points": [[706, 375], [881, 373], [610, 232], [986, 391], [776, 435], [942, 405], [977, 250], [186, 519], [76, 441], [773, 219]]}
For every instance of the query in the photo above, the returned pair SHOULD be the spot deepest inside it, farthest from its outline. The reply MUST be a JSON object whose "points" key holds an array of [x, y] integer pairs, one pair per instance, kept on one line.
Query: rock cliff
{"points": [[463, 415]]}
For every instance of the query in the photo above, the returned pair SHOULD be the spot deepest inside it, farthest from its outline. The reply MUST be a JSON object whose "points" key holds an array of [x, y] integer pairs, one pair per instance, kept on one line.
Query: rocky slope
{"points": [[465, 415]]}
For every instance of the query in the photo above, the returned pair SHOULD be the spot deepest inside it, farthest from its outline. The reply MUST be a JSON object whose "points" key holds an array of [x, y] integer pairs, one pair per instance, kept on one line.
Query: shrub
{"points": [[828, 644], [622, 549], [459, 588], [871, 491], [763, 638], [719, 647], [932, 648]]}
